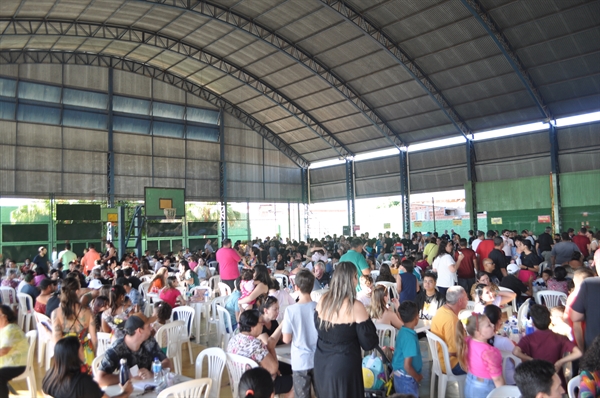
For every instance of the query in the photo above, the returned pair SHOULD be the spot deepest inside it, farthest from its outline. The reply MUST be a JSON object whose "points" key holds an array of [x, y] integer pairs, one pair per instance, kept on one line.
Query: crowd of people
{"points": [[434, 277]]}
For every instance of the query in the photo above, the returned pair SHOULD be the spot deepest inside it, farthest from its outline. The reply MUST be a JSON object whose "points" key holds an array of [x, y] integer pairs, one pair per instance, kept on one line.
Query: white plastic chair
{"points": [[103, 342], [573, 386], [550, 298], [213, 318], [505, 392], [283, 280], [186, 314], [200, 388], [143, 289], [183, 290], [464, 314], [9, 297], [386, 331], [45, 340], [213, 283], [171, 333], [25, 315], [225, 329], [391, 287], [29, 373], [96, 364], [522, 313], [146, 278], [213, 265], [374, 274], [506, 359], [236, 366], [436, 368], [512, 308], [224, 289], [315, 295], [216, 360]]}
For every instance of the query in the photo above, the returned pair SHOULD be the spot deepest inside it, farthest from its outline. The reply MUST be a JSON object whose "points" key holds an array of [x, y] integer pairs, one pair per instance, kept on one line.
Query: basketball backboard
{"points": [[158, 199]]}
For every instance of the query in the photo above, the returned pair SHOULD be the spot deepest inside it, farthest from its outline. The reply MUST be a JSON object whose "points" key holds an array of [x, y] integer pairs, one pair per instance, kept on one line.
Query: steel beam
{"points": [[405, 190], [222, 177], [472, 184], [350, 194], [387, 44], [110, 180], [493, 30], [50, 27], [250, 26], [79, 58], [555, 180]]}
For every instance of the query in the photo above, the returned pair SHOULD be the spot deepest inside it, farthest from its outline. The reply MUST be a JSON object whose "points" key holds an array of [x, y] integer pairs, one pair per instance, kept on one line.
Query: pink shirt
{"points": [[169, 296], [483, 360], [228, 260]]}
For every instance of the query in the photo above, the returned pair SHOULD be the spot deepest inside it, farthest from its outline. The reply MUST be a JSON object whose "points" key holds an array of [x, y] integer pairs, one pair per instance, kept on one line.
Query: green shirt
{"points": [[430, 251], [358, 260], [407, 346], [67, 256]]}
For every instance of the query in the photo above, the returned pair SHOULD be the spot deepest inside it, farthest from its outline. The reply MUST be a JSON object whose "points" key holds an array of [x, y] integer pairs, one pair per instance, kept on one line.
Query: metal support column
{"points": [[471, 190], [248, 220], [289, 221], [405, 190], [350, 194], [110, 180], [222, 178], [555, 179], [306, 200], [121, 230]]}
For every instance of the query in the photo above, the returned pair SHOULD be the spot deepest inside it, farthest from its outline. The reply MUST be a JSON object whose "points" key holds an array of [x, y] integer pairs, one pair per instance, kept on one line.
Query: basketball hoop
{"points": [[170, 213]]}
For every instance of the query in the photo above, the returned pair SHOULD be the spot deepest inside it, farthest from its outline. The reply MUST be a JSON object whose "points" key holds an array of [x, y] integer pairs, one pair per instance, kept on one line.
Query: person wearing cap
{"points": [[47, 288], [511, 281], [138, 347], [41, 260]]}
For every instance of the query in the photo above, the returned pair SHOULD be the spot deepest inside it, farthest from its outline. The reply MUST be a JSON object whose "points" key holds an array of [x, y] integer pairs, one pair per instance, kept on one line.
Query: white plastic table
{"points": [[284, 353], [423, 326], [114, 390]]}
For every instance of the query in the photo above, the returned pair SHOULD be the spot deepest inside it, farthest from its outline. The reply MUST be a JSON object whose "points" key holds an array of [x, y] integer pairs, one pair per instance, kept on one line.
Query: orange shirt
{"points": [[156, 285], [443, 325], [88, 261]]}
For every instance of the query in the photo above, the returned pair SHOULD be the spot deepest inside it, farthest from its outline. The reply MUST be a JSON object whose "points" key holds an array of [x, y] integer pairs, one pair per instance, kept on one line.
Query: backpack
{"points": [[374, 376]]}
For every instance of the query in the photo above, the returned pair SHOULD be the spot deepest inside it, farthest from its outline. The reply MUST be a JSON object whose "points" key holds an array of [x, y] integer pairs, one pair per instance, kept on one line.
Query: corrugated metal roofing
{"points": [[312, 55]]}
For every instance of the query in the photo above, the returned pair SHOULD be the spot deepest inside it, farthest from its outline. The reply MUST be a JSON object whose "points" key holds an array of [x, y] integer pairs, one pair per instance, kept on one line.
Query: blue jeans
{"points": [[475, 388], [405, 384]]}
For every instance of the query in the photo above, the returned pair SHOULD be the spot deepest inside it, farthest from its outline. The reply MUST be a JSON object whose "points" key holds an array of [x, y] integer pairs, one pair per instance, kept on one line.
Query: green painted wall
{"points": [[519, 202], [441, 225], [520, 194]]}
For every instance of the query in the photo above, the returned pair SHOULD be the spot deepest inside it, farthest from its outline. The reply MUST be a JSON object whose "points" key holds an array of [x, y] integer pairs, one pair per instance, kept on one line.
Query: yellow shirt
{"points": [[430, 251], [12, 336], [443, 325]]}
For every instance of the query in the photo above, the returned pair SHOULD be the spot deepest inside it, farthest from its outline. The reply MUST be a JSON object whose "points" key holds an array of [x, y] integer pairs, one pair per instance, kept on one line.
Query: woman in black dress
{"points": [[343, 326]]}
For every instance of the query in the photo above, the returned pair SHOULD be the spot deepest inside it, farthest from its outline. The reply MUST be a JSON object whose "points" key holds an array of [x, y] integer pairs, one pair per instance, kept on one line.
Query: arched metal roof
{"points": [[327, 78]]}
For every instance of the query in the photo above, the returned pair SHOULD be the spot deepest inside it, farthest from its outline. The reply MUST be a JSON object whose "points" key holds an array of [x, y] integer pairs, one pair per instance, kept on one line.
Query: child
{"points": [[299, 330], [559, 282], [364, 296], [545, 344], [162, 312], [247, 286], [408, 283], [256, 383], [503, 343], [558, 325], [407, 361], [481, 361], [540, 283]]}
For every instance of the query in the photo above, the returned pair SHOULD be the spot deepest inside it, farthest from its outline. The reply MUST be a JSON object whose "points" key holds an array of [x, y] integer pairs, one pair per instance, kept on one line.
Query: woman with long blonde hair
{"points": [[343, 327], [380, 311]]}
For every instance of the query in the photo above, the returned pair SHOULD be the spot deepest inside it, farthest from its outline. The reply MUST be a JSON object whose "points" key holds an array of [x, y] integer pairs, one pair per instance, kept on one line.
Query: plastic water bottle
{"points": [[124, 374], [529, 327], [206, 295], [156, 369]]}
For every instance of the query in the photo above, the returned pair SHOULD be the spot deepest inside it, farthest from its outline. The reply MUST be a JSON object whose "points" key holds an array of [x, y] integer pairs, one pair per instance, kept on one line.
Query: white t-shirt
{"points": [[475, 243], [446, 278], [299, 322]]}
